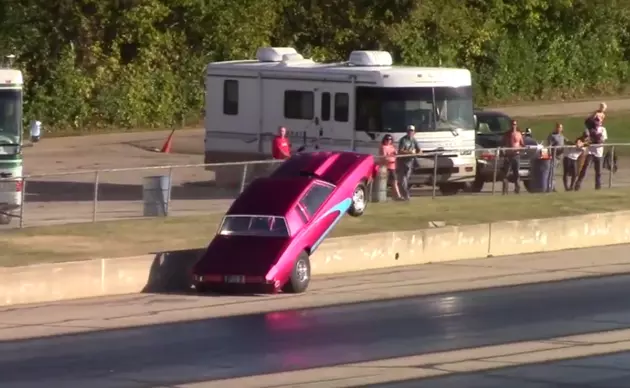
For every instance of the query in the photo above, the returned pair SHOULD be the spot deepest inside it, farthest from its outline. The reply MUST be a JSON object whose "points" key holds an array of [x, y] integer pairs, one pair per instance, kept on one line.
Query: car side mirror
{"points": [[36, 131]]}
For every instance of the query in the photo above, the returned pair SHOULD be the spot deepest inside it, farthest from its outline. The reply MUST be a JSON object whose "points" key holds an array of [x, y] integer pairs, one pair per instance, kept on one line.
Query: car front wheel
{"points": [[300, 275], [359, 201]]}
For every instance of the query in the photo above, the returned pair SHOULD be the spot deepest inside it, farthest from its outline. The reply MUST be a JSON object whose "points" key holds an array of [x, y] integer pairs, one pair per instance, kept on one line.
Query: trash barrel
{"points": [[155, 195], [540, 171], [379, 185]]}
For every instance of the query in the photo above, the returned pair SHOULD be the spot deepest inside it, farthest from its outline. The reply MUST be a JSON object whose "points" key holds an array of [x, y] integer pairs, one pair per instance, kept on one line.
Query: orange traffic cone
{"points": [[166, 148]]}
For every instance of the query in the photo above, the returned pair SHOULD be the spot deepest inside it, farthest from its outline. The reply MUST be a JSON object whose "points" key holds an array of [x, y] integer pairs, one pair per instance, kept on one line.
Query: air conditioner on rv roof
{"points": [[274, 54], [370, 58]]}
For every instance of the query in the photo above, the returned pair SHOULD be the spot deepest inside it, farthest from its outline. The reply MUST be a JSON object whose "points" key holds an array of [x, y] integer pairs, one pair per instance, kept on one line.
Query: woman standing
{"points": [[388, 150]]}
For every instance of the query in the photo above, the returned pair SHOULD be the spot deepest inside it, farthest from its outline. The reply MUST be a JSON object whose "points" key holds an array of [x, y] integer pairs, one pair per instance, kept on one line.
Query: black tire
{"points": [[201, 288], [300, 275], [449, 188], [5, 219], [477, 185], [357, 209], [528, 185]]}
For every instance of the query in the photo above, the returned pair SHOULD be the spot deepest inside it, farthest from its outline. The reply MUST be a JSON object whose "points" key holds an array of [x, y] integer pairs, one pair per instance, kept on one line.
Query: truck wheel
{"points": [[477, 185], [300, 275], [359, 201], [5, 219], [449, 188]]}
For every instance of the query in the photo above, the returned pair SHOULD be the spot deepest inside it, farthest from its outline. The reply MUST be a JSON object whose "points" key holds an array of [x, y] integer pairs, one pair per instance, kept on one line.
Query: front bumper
{"points": [[235, 283]]}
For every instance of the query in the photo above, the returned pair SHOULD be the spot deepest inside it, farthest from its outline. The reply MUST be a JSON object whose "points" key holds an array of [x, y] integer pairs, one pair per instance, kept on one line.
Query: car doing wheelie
{"points": [[268, 235]]}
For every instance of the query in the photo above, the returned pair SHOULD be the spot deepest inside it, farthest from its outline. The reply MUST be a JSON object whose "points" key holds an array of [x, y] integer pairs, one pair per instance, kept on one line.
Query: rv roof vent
{"points": [[370, 58], [292, 57], [273, 54]]}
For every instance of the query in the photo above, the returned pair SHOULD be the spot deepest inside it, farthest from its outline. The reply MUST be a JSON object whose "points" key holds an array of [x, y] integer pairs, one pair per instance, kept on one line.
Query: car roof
{"points": [[329, 166], [270, 196], [490, 113]]}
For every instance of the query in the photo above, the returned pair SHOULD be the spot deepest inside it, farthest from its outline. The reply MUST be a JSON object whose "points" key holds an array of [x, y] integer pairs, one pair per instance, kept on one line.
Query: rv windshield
{"points": [[10, 116], [427, 108]]}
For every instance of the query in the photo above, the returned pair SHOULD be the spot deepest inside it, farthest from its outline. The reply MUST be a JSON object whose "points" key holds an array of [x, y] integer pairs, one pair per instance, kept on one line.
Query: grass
{"points": [[135, 237], [617, 125]]}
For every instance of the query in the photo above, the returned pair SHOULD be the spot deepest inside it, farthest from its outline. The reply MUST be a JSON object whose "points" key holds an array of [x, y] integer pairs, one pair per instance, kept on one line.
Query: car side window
{"points": [[300, 213], [315, 197]]}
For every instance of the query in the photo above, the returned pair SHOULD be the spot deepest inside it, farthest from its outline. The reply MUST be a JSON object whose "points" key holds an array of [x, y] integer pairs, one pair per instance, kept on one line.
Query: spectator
{"points": [[570, 164], [407, 146], [281, 147], [600, 114], [389, 152], [512, 139], [595, 137], [556, 140]]}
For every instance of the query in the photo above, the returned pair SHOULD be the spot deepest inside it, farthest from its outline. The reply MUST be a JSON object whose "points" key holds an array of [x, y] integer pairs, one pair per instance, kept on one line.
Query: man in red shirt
{"points": [[281, 147]]}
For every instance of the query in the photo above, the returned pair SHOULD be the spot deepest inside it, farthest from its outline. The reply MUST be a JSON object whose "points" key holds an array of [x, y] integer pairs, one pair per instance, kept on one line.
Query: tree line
{"points": [[140, 63]]}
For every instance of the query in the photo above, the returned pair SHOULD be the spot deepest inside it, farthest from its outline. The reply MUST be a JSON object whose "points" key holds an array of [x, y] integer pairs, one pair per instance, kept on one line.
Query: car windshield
{"points": [[244, 225], [429, 109], [488, 123], [10, 116]]}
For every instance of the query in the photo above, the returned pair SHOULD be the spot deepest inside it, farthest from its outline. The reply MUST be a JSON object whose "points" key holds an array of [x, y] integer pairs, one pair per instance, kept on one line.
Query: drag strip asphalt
{"points": [[229, 347]]}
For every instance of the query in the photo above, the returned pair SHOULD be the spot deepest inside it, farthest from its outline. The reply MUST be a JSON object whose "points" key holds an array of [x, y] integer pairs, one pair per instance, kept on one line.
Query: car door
{"points": [[319, 222]]}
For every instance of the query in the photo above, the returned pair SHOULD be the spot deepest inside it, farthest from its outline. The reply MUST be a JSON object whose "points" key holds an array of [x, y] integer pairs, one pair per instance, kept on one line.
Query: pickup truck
{"points": [[490, 127]]}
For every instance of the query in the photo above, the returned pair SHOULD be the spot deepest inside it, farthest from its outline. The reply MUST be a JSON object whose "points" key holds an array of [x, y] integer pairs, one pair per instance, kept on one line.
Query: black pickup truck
{"points": [[490, 127]]}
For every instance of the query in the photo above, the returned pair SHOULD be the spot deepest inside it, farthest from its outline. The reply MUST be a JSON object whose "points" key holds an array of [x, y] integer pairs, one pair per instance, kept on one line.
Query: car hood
{"points": [[241, 255]]}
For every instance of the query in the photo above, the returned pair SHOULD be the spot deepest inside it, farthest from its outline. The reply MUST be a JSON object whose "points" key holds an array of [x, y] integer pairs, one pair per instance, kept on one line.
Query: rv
{"points": [[342, 106], [11, 89]]}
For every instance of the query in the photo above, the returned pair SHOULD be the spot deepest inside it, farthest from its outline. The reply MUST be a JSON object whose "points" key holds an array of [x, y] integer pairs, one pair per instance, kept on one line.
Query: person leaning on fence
{"points": [[388, 151], [407, 146], [512, 139], [595, 137]]}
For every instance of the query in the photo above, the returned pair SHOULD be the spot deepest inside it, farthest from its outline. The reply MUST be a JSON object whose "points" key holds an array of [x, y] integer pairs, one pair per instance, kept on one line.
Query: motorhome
{"points": [[342, 106], [11, 98]]}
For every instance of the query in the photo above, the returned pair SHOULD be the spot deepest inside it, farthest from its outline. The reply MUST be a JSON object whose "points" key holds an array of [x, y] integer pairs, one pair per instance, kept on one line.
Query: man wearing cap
{"points": [[407, 146]]}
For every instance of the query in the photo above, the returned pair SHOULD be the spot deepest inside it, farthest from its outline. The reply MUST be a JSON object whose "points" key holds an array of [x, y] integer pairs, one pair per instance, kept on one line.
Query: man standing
{"points": [[556, 140], [407, 146], [512, 139], [596, 137], [281, 147]]}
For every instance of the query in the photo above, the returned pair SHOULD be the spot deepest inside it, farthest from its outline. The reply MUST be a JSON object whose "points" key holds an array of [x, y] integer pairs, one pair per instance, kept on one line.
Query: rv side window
{"points": [[299, 105], [342, 107], [230, 97], [325, 106]]}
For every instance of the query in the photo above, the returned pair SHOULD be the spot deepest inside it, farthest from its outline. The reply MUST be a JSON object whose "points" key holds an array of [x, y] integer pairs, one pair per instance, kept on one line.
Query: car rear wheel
{"points": [[300, 275], [359, 201]]}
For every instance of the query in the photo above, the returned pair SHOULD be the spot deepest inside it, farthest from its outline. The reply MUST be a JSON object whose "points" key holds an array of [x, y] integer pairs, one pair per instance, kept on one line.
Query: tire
{"points": [[477, 185], [528, 185], [449, 189], [300, 275], [359, 201], [5, 219]]}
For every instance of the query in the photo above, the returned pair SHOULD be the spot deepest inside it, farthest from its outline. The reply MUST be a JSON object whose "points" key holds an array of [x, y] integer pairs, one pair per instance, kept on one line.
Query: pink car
{"points": [[266, 237]]}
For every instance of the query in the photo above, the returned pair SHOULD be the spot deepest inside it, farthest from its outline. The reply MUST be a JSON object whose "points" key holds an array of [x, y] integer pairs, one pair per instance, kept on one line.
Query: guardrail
{"points": [[121, 193]]}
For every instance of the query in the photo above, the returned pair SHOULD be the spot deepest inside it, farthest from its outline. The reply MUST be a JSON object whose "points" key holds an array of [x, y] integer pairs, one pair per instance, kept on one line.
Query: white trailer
{"points": [[342, 106]]}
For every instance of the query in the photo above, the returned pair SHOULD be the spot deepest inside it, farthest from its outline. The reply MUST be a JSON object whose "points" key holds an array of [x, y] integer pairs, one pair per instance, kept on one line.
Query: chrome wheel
{"points": [[358, 199], [302, 271]]}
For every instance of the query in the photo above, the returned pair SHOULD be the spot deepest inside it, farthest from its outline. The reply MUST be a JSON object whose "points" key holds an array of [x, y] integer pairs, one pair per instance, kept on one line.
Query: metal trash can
{"points": [[540, 172], [155, 195], [379, 185]]}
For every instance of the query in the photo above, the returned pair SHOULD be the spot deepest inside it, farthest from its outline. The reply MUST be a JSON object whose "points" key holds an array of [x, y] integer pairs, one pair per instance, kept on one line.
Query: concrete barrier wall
{"points": [[168, 272]]}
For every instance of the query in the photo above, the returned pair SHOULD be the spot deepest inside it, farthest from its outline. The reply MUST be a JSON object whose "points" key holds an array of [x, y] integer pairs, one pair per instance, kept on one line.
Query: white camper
{"points": [[342, 106]]}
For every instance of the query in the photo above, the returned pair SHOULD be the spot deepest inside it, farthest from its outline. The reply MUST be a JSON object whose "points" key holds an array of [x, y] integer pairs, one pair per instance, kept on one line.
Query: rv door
{"points": [[323, 125]]}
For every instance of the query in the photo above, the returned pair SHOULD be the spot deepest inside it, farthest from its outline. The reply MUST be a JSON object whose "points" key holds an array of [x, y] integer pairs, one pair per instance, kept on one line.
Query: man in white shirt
{"points": [[596, 137]]}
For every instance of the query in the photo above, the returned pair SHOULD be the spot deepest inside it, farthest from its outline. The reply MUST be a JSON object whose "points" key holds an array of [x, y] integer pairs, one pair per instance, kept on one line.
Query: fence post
{"points": [[243, 178], [170, 188], [435, 169], [497, 152], [612, 166], [97, 176], [22, 202]]}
